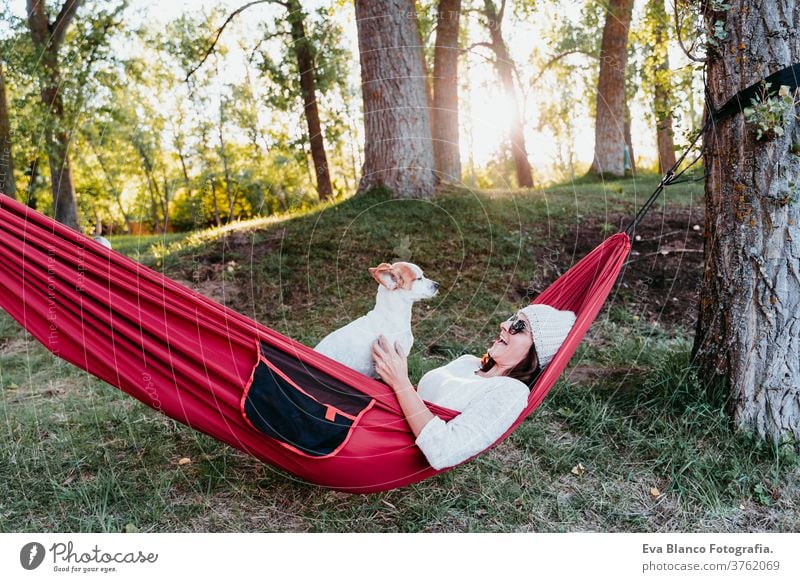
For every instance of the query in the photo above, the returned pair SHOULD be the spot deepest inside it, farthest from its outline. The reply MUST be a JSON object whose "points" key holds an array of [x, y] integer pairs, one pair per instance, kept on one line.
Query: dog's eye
{"points": [[418, 279]]}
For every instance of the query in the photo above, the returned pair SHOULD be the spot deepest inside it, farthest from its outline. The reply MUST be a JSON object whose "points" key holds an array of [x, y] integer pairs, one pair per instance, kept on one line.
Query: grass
{"points": [[78, 455]]}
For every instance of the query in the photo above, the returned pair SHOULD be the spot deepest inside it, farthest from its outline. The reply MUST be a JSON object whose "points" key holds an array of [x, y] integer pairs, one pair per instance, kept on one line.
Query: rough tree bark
{"points": [[7, 184], [444, 115], [748, 330], [609, 139], [304, 53], [398, 151], [48, 38], [505, 72]]}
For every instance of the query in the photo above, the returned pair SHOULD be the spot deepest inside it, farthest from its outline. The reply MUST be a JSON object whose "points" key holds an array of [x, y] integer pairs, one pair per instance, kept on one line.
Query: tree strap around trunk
{"points": [[788, 76]]}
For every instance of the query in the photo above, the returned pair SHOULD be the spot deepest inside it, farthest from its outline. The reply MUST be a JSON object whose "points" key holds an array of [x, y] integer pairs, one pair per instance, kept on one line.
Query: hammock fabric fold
{"points": [[228, 376]]}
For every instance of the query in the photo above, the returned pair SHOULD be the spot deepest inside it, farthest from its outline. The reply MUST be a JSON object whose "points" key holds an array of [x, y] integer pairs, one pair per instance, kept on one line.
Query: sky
{"points": [[483, 122]]}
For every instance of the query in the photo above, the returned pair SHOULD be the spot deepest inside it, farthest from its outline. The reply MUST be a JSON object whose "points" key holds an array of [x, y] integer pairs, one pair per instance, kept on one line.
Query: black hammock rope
{"points": [[787, 76]]}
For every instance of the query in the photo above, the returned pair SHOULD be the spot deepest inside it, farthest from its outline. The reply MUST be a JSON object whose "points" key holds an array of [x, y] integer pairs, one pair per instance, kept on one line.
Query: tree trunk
{"points": [[152, 185], [113, 188], [64, 202], [629, 140], [186, 182], [444, 115], [609, 138], [7, 184], [426, 74], [505, 72], [33, 171], [165, 201], [180, 146], [662, 106], [48, 38], [225, 163], [351, 135], [214, 200], [397, 148], [98, 222], [304, 53], [748, 332]]}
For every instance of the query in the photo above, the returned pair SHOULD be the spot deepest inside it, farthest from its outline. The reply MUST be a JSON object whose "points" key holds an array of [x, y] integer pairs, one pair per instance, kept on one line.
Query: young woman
{"points": [[489, 392]]}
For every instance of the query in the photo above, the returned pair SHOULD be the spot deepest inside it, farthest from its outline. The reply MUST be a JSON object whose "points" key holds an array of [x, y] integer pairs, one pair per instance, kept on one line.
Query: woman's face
{"points": [[509, 349]]}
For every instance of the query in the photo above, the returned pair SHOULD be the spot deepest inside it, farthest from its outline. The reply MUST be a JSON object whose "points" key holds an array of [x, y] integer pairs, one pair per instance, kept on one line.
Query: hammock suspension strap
{"points": [[787, 76]]}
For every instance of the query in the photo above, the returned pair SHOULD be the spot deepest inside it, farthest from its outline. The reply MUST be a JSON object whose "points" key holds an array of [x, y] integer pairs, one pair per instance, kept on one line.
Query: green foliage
{"points": [[325, 40], [768, 112], [716, 32]]}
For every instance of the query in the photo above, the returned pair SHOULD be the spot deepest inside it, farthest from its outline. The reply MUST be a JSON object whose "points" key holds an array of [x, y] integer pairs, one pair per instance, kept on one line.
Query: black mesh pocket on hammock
{"points": [[303, 408]]}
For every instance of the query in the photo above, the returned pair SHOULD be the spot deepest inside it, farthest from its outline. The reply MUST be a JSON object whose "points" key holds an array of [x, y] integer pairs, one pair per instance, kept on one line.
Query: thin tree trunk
{"points": [[186, 182], [225, 166], [351, 134], [609, 138], [153, 206], [48, 38], [444, 115], [113, 188], [662, 106], [98, 223], [7, 184], [398, 153], [152, 185], [748, 331], [304, 53], [505, 72], [629, 140], [165, 202], [214, 200], [33, 171], [179, 145], [252, 132]]}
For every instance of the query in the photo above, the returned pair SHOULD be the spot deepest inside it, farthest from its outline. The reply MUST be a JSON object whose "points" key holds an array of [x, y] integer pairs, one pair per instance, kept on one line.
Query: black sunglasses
{"points": [[517, 325]]}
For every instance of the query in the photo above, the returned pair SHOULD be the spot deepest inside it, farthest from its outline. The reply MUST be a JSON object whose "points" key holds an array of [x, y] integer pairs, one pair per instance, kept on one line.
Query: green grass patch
{"points": [[627, 440]]}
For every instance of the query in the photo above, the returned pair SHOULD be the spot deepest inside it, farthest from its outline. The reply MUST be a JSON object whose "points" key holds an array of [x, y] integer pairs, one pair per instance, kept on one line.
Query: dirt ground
{"points": [[661, 278]]}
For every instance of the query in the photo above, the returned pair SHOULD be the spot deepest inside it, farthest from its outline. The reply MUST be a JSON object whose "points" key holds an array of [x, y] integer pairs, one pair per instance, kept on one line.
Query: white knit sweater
{"points": [[488, 407]]}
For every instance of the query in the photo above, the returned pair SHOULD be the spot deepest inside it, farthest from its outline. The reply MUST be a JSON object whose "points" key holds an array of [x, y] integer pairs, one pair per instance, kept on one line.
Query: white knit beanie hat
{"points": [[550, 327]]}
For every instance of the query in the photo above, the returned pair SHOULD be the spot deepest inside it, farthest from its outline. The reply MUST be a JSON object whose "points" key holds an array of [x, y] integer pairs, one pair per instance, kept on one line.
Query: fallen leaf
{"points": [[741, 506], [578, 469], [654, 492], [130, 528], [184, 461]]}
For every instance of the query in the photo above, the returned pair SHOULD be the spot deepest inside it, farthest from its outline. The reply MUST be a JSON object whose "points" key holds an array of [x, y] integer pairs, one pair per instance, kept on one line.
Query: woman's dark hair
{"points": [[527, 371]]}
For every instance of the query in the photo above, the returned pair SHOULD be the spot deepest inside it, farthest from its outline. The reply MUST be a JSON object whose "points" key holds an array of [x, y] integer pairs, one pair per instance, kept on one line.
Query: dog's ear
{"points": [[386, 275]]}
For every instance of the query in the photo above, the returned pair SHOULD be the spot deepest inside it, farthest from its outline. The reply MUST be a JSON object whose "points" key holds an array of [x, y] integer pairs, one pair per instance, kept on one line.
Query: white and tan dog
{"points": [[401, 284]]}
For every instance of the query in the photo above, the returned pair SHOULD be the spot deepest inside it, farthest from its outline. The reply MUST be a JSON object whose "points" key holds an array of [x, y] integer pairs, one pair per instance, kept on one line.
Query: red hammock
{"points": [[228, 376]]}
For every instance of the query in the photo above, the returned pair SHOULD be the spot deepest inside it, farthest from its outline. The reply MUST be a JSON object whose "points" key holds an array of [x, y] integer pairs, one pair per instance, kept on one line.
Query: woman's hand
{"points": [[392, 367], [390, 363]]}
